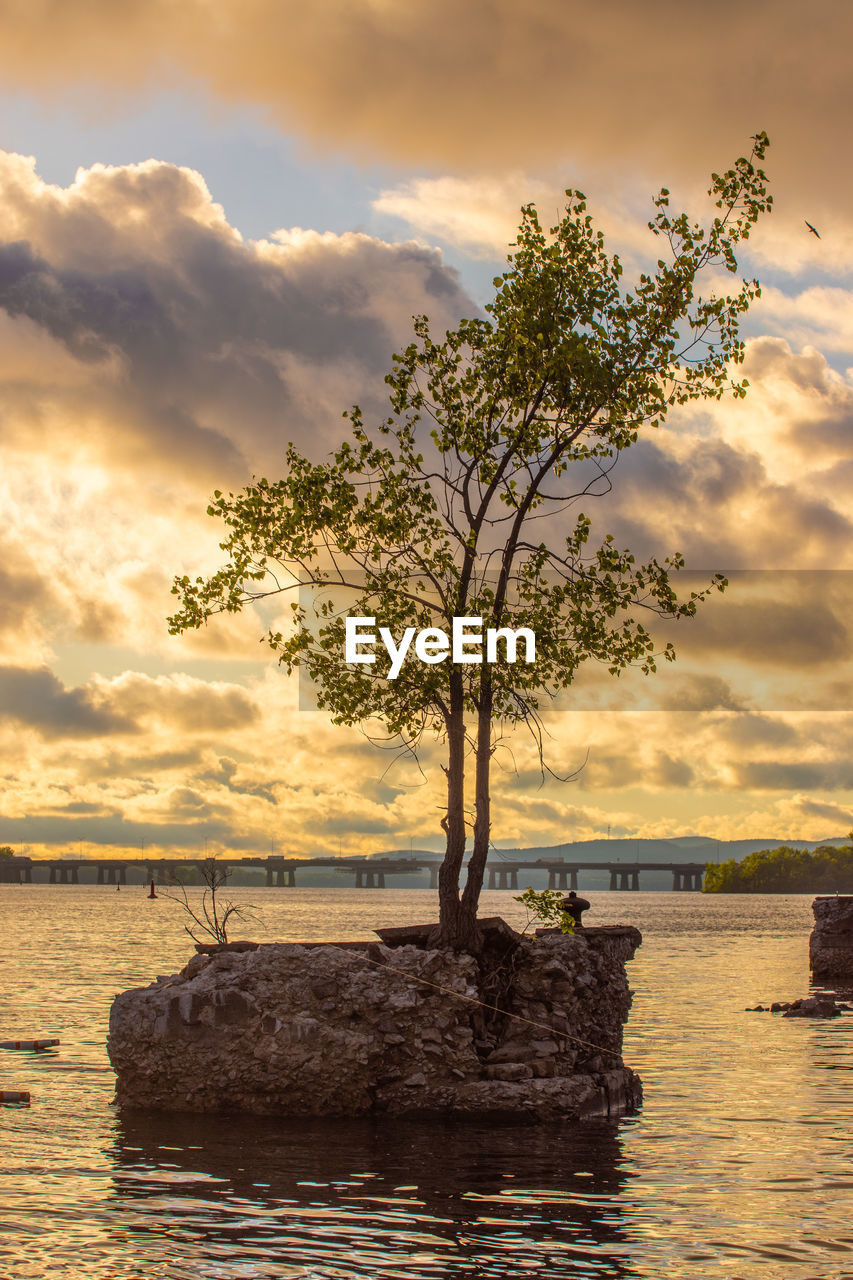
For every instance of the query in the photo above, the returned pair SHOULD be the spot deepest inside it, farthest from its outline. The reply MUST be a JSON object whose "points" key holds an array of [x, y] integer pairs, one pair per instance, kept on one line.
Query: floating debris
{"points": [[33, 1046], [14, 1095]]}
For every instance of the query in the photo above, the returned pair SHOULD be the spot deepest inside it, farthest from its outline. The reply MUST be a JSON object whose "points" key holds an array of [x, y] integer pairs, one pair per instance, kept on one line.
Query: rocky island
{"points": [[528, 1026]]}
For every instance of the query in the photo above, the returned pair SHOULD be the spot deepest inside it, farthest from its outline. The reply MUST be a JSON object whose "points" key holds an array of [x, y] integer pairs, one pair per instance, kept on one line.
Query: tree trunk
{"points": [[483, 819], [454, 821]]}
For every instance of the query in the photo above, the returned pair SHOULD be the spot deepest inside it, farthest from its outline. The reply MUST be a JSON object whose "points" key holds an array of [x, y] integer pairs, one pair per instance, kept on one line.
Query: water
{"points": [[740, 1164]]}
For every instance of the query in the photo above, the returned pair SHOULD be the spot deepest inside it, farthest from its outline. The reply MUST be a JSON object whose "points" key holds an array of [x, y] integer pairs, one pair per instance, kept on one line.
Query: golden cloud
{"points": [[489, 84]]}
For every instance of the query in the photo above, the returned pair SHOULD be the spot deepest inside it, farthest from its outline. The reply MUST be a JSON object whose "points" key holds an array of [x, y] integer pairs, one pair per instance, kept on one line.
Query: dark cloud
{"points": [[831, 812], [755, 730], [226, 774], [608, 771], [763, 632], [777, 775], [697, 693], [142, 767], [188, 803], [37, 699], [183, 704], [669, 772], [124, 835], [355, 823], [25, 594], [206, 352], [717, 506]]}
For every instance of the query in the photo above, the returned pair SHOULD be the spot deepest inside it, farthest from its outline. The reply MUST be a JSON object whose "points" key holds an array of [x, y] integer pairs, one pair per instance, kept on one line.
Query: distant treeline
{"points": [[784, 870]]}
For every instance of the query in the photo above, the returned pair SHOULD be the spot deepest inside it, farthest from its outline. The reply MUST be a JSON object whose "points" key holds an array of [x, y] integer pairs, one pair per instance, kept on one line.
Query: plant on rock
{"points": [[212, 917], [545, 908]]}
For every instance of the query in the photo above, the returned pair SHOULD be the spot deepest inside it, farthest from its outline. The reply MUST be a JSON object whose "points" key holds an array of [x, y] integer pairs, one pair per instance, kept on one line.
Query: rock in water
{"points": [[348, 1030], [831, 941], [813, 1007]]}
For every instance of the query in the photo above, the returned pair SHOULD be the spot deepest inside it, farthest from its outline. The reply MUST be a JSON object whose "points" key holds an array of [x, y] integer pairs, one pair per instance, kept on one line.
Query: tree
{"points": [[507, 420], [827, 869]]}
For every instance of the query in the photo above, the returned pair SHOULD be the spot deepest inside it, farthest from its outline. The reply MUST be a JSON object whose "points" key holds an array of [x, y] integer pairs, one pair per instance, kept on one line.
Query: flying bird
{"points": [[812, 229]]}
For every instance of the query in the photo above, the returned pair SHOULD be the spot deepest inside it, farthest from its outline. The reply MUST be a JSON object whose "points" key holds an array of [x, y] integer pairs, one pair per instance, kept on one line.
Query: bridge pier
{"points": [[687, 880], [503, 877], [560, 878], [285, 877], [433, 875], [369, 879]]}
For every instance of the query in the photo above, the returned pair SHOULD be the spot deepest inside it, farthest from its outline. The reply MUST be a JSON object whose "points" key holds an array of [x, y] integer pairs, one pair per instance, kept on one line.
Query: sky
{"points": [[216, 222]]}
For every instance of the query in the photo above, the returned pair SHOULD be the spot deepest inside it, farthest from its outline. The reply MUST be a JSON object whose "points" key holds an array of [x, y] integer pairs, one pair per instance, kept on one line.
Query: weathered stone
{"points": [[509, 1071], [831, 941], [216, 948], [544, 1047], [255, 1030], [812, 1007]]}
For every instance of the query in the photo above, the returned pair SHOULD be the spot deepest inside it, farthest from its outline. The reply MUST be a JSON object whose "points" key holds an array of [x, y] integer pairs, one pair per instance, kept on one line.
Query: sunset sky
{"points": [[216, 221]]}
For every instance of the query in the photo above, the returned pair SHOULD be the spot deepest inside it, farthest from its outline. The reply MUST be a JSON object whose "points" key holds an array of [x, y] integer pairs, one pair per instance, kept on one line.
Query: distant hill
{"points": [[668, 849]]}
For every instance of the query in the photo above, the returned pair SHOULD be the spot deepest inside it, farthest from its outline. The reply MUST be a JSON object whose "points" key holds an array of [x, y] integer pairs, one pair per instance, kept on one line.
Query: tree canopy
{"points": [[828, 869], [512, 419]]}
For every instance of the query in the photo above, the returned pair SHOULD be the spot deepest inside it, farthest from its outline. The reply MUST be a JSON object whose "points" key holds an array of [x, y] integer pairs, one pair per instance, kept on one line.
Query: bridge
{"points": [[563, 874], [368, 873]]}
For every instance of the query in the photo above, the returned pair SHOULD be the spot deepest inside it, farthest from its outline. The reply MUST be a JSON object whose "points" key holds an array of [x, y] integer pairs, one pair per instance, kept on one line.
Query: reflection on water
{"points": [[373, 1198], [740, 1165]]}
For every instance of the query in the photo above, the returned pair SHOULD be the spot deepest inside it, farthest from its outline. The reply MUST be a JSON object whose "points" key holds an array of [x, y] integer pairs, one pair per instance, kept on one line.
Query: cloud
{"points": [[436, 84], [193, 337], [838, 815], [36, 699], [480, 214], [150, 355], [775, 775], [819, 317], [180, 702]]}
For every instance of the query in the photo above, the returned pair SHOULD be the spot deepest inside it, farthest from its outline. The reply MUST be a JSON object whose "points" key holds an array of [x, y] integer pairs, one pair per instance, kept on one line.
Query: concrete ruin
{"points": [[531, 1028], [831, 941]]}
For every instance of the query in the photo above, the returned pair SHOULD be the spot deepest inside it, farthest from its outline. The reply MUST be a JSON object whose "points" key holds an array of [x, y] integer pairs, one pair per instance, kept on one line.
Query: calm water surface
{"points": [[740, 1164]]}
